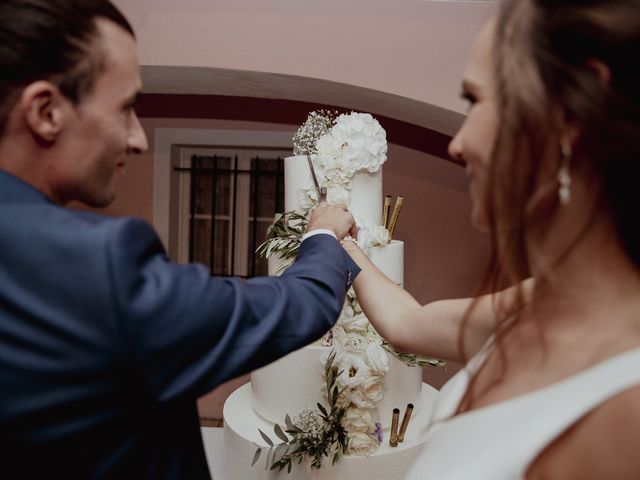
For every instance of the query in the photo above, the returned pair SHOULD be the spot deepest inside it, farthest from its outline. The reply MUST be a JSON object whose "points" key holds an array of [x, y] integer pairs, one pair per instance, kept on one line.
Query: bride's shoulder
{"points": [[603, 444]]}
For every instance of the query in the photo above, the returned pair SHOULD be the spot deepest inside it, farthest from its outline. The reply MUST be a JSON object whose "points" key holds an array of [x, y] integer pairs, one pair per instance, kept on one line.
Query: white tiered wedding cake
{"points": [[373, 382]]}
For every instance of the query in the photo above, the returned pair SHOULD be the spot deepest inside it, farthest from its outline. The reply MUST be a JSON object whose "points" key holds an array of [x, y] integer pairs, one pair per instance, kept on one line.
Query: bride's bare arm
{"points": [[431, 329]]}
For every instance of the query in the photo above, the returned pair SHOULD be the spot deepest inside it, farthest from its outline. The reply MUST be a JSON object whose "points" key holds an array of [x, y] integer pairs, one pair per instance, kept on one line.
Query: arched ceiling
{"points": [[402, 60], [242, 83]]}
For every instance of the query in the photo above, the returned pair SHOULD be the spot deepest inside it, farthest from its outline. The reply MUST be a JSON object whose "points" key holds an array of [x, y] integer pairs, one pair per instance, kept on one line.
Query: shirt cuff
{"points": [[319, 231]]}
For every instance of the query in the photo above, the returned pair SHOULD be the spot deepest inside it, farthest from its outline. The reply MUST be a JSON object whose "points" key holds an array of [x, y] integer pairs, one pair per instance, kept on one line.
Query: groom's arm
{"points": [[188, 332]]}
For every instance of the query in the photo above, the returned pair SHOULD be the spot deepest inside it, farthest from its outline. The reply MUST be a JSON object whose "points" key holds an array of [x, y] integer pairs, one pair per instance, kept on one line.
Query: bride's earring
{"points": [[564, 175]]}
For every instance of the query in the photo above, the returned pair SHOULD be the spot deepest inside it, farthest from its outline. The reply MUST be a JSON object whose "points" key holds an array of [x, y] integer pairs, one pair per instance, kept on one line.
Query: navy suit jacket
{"points": [[105, 344]]}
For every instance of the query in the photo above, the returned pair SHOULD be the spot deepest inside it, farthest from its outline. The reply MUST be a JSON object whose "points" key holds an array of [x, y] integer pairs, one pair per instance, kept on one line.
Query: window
{"points": [[226, 199]]}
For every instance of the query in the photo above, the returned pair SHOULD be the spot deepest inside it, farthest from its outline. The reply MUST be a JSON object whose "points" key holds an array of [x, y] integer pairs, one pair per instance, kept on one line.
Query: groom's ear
{"points": [[43, 108], [600, 69]]}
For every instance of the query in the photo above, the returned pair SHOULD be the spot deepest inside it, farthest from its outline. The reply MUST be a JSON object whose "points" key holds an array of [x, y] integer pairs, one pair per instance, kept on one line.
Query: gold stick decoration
{"points": [[393, 441], [394, 216], [405, 422], [385, 211]]}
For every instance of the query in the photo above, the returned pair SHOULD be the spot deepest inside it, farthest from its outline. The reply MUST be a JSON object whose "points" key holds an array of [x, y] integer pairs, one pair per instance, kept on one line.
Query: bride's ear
{"points": [[569, 131]]}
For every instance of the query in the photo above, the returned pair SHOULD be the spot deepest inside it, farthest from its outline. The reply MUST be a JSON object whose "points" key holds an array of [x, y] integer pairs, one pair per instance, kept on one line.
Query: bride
{"points": [[551, 386]]}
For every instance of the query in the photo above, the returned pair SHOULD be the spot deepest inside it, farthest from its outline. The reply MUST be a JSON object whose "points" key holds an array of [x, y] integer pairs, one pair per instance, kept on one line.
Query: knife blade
{"points": [[322, 192]]}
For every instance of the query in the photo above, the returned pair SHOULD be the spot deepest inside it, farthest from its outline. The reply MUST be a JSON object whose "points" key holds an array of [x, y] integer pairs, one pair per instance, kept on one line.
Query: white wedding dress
{"points": [[499, 442]]}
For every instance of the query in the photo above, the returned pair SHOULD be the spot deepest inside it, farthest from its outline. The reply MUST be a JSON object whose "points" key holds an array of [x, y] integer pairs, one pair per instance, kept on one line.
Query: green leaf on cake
{"points": [[334, 397], [281, 435], [266, 438], [322, 409], [256, 456], [291, 428], [295, 447], [278, 453]]}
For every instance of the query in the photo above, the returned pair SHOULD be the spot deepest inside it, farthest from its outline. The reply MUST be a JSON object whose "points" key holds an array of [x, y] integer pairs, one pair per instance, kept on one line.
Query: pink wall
{"points": [[409, 48]]}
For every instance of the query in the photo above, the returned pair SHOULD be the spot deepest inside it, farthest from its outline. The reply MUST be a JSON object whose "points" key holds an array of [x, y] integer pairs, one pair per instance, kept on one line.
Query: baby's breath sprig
{"points": [[318, 123]]}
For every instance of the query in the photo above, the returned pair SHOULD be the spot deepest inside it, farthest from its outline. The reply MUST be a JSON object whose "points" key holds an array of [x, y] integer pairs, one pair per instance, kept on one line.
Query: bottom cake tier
{"points": [[241, 437]]}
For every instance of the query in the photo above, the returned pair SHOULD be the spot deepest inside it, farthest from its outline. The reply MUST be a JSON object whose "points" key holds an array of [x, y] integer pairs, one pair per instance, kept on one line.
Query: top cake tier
{"points": [[365, 202]]}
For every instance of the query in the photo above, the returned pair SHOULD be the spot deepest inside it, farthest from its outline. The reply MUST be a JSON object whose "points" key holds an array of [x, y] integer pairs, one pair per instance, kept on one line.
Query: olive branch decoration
{"points": [[328, 438], [284, 236]]}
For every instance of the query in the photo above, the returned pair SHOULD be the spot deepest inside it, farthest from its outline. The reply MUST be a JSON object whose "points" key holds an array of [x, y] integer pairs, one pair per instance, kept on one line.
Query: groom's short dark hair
{"points": [[51, 40]]}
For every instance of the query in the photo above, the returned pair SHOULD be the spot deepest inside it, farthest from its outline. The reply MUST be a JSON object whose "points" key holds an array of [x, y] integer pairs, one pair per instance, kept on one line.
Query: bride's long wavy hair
{"points": [[542, 55]]}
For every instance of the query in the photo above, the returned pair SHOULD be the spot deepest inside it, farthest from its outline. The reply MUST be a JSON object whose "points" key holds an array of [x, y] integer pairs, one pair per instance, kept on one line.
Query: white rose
{"points": [[379, 235], [307, 198], [355, 370], [354, 342], [362, 444], [378, 359], [368, 392], [359, 420], [351, 342], [338, 194], [371, 235], [339, 336], [347, 310], [354, 322]]}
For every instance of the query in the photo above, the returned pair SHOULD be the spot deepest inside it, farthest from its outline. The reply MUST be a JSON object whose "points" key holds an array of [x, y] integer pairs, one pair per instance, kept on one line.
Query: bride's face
{"points": [[474, 141]]}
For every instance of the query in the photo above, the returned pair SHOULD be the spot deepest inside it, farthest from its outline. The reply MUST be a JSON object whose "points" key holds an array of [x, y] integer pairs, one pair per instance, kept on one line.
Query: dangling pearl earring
{"points": [[564, 176]]}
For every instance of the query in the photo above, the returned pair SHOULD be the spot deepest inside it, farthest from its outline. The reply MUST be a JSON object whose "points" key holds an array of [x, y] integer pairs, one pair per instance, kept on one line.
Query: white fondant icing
{"points": [[390, 260], [296, 382], [275, 264], [241, 437]]}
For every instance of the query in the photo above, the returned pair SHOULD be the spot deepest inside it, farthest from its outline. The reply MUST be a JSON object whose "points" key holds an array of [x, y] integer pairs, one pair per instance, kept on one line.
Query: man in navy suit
{"points": [[105, 345]]}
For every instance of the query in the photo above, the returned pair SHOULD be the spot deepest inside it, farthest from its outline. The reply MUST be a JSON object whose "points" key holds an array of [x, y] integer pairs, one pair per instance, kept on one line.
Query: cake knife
{"points": [[322, 192]]}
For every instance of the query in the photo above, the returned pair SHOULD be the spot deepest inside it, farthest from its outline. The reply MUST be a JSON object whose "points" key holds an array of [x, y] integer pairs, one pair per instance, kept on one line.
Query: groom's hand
{"points": [[333, 217]]}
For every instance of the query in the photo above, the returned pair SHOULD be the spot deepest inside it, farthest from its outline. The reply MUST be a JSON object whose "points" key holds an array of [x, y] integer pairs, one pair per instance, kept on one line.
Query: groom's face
{"points": [[104, 128]]}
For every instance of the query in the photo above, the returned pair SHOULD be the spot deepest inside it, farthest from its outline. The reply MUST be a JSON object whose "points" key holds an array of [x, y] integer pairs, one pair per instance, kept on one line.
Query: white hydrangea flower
{"points": [[357, 142]]}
